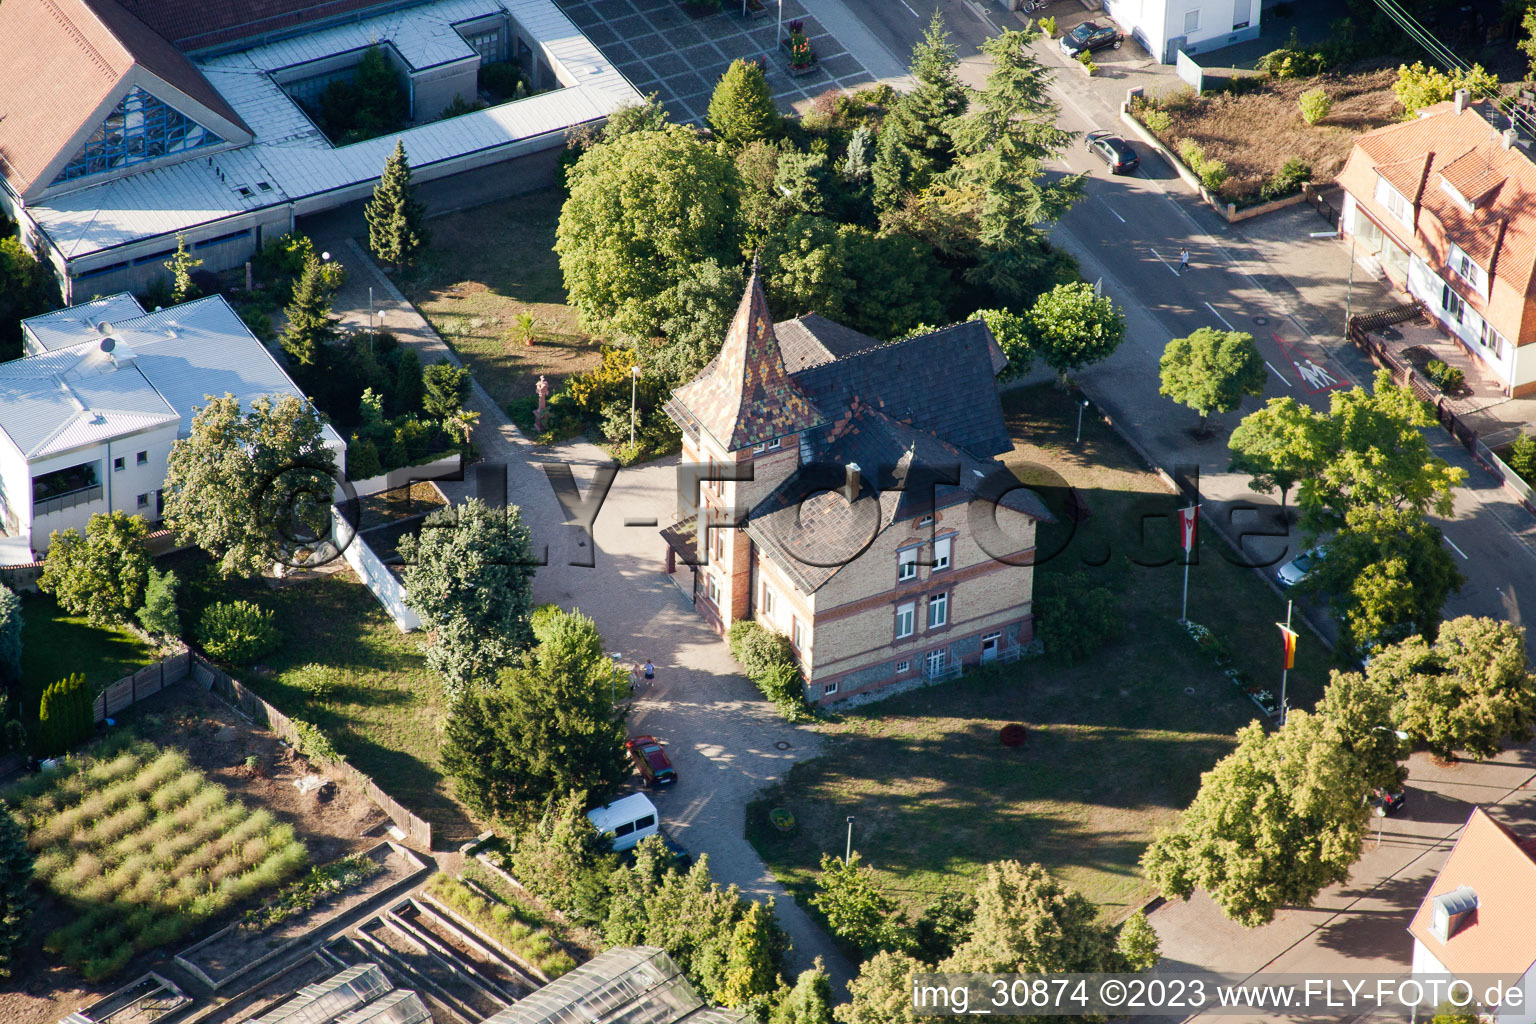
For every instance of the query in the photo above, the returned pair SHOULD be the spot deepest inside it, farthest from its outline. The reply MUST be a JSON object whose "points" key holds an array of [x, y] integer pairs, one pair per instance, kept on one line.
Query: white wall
{"points": [[1516, 366], [15, 490], [382, 583], [120, 488]]}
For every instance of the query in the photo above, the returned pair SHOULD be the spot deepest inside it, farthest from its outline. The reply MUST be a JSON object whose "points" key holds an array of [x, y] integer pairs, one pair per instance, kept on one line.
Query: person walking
{"points": [[1183, 259], [650, 670]]}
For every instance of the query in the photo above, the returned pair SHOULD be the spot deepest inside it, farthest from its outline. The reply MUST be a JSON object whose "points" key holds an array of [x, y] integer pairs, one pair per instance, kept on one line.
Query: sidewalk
{"points": [[724, 739]]}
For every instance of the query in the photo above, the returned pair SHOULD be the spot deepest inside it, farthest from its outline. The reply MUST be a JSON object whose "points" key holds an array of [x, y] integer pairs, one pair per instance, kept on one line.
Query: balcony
{"points": [[67, 500]]}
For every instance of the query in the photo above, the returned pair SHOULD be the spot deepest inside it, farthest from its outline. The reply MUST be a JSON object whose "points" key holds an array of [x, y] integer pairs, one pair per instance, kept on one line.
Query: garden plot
{"points": [[144, 848]]}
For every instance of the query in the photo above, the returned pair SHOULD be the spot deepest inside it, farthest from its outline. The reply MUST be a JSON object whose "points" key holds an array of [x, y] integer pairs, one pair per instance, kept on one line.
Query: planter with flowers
{"points": [[801, 58], [754, 9]]}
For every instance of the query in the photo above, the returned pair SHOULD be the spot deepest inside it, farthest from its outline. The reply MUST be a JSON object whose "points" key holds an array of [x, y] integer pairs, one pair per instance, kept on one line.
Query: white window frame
{"points": [[768, 599], [903, 666], [143, 501], [712, 589], [906, 615], [937, 661], [906, 565], [796, 632], [1496, 346], [938, 611], [829, 689], [1451, 303], [1394, 202], [925, 521], [141, 459], [1465, 267], [942, 549], [1195, 16], [119, 463]]}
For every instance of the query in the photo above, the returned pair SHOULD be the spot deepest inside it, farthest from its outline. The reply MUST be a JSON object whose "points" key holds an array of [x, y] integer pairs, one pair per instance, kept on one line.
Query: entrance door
{"points": [[989, 647]]}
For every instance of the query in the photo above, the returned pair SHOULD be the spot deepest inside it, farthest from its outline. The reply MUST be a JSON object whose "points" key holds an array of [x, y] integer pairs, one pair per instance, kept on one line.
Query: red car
{"points": [[651, 761]]}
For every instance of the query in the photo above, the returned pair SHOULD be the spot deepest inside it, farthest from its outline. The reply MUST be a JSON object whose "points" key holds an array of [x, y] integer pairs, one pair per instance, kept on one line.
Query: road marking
{"points": [[1219, 316], [908, 6], [1165, 263], [1111, 209], [1454, 548], [1276, 372]]}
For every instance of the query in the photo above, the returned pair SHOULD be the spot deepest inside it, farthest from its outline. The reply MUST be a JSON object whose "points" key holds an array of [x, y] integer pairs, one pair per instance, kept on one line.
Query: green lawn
{"points": [[483, 268], [55, 644], [1116, 745], [382, 707]]}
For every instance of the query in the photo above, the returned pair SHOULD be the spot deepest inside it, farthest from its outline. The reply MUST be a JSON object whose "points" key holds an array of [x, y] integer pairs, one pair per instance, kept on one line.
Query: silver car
{"points": [[1298, 568]]}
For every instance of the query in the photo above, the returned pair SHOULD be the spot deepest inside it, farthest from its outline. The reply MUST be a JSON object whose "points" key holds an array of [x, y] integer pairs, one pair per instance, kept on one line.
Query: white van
{"points": [[630, 820]]}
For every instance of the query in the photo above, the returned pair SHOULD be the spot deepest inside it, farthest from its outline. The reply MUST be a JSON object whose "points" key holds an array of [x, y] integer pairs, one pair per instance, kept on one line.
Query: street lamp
{"points": [[848, 850], [634, 382], [613, 689], [370, 318], [1080, 409]]}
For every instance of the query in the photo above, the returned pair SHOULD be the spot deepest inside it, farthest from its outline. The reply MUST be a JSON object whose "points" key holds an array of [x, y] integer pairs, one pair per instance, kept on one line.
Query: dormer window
{"points": [[1456, 196], [1394, 201], [1451, 912], [1460, 264]]}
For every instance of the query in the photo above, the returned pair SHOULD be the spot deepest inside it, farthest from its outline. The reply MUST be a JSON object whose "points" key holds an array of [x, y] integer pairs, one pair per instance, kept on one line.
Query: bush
{"points": [[159, 614], [1212, 174], [1446, 378], [502, 80], [1522, 457], [237, 632], [768, 659], [1192, 155], [1315, 104], [1048, 26], [313, 743], [1157, 121], [66, 716], [1287, 180], [1076, 619], [1291, 62]]}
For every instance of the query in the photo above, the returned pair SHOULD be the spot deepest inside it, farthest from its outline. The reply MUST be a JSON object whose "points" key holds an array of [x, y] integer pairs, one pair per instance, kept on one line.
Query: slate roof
{"points": [[744, 396], [60, 60], [812, 339], [1498, 939]]}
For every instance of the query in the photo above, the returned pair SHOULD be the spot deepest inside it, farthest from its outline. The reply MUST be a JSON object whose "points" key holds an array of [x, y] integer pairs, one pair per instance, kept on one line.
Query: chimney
{"points": [[1460, 100], [1507, 137], [851, 483]]}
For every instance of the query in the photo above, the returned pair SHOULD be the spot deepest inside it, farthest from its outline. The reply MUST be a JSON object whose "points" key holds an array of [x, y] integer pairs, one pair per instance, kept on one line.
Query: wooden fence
{"points": [[215, 679], [146, 682]]}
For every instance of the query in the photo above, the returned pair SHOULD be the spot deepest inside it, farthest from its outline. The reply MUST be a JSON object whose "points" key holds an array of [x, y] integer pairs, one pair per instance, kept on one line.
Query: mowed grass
{"points": [[484, 267], [1255, 133], [144, 849], [1116, 744], [344, 666], [55, 644]]}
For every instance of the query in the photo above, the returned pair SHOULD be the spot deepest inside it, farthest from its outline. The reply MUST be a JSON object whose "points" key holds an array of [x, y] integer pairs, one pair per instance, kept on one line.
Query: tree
{"points": [[1387, 575], [1211, 371], [855, 167], [1315, 104], [65, 716], [914, 141], [752, 960], [159, 614], [16, 899], [469, 575], [396, 229], [10, 639], [741, 109], [882, 992], [561, 857], [1076, 618], [1073, 327], [1419, 86], [1012, 334], [310, 324], [254, 488], [642, 209], [1274, 822], [1026, 921], [1272, 445], [1528, 43], [809, 1001], [856, 910], [27, 288], [1471, 690], [445, 389], [103, 574], [708, 295], [181, 266], [1363, 712], [1138, 944], [1011, 128]]}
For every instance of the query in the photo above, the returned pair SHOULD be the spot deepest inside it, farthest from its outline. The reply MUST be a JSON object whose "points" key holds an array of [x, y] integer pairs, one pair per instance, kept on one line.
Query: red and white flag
{"points": [[1188, 519]]}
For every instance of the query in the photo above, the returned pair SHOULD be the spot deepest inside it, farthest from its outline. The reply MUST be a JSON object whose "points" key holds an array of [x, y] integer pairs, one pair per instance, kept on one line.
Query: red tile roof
{"points": [[1498, 938], [60, 59], [745, 396]]}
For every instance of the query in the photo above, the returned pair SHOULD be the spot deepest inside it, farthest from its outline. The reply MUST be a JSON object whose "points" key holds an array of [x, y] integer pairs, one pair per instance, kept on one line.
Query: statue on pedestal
{"points": [[542, 388]]}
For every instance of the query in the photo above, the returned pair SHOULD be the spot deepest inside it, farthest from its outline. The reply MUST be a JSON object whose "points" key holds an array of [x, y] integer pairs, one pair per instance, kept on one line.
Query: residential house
{"points": [[1164, 27], [88, 416], [1476, 918], [1443, 206], [126, 124], [851, 499]]}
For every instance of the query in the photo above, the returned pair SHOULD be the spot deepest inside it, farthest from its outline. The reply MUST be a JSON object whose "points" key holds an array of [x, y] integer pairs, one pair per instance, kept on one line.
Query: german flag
{"points": [[1288, 638]]}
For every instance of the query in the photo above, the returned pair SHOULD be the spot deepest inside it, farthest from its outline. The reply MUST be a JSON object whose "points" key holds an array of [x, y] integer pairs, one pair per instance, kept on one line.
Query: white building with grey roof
{"points": [[88, 416]]}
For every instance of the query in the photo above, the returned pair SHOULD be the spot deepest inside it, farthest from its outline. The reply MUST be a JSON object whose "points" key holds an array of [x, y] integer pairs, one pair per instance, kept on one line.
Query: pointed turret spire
{"points": [[745, 396]]}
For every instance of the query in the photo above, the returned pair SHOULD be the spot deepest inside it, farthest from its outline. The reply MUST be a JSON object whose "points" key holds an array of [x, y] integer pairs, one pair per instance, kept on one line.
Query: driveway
{"points": [[725, 740]]}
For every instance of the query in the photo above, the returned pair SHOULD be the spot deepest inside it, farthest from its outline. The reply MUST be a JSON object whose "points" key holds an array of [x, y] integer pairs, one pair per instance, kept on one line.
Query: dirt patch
{"points": [[217, 741], [1255, 133]]}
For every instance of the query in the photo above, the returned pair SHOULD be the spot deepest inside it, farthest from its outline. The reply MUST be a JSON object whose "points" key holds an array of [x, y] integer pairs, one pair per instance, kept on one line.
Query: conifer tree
{"points": [[159, 613], [915, 141], [395, 229], [16, 898], [310, 324], [10, 638], [181, 266], [741, 109]]}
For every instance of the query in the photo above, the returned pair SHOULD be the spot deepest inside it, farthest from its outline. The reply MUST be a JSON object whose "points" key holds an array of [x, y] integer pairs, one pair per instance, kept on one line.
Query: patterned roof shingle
{"points": [[745, 396]]}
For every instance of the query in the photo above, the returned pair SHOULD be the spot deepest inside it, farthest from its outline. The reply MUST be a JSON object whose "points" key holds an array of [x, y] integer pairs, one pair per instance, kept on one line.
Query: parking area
{"points": [[662, 48]]}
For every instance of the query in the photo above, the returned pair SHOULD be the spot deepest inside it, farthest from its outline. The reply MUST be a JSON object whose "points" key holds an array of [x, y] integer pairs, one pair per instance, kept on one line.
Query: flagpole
{"points": [[1286, 669], [1184, 611], [1188, 522]]}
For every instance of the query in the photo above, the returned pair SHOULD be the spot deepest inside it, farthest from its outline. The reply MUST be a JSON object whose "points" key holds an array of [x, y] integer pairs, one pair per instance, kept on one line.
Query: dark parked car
{"points": [[1389, 802], [651, 761], [1114, 151], [1091, 36]]}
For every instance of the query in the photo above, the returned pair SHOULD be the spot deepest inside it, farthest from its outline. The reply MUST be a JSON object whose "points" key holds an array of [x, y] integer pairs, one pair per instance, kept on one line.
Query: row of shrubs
{"points": [[599, 401], [769, 661]]}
